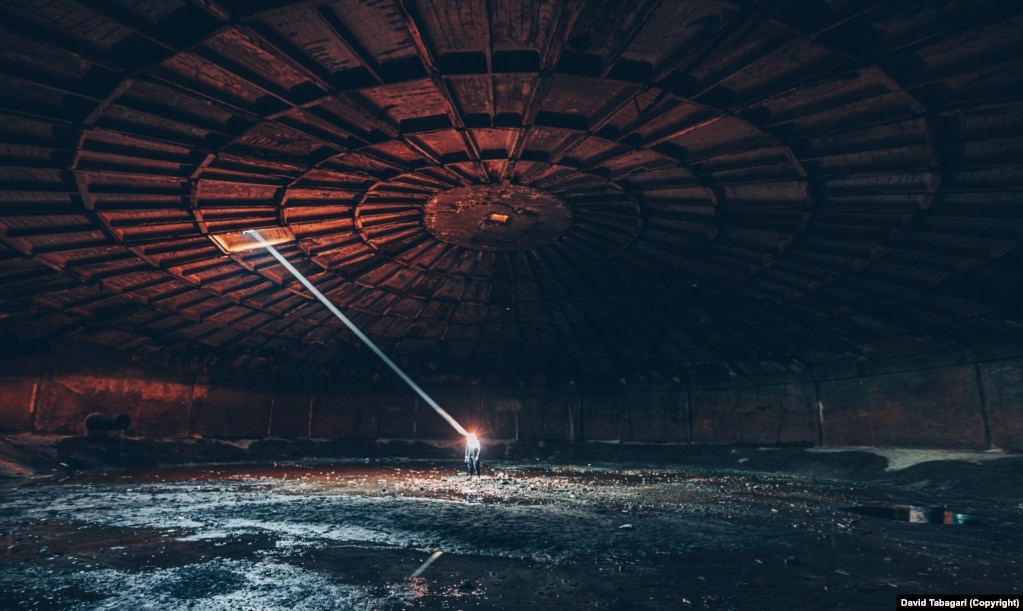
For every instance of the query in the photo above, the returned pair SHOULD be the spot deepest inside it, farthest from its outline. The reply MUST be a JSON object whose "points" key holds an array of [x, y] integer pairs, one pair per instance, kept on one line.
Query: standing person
{"points": [[472, 454]]}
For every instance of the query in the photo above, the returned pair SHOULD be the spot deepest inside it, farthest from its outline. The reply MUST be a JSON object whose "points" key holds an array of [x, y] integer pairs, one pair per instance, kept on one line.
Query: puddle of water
{"points": [[921, 514]]}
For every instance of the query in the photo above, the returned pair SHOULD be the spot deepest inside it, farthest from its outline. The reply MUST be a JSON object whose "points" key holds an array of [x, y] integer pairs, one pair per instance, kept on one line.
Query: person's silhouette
{"points": [[472, 454]]}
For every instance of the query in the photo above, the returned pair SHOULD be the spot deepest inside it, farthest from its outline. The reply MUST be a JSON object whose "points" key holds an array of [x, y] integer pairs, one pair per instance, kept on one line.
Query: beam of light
{"points": [[428, 562], [348, 323]]}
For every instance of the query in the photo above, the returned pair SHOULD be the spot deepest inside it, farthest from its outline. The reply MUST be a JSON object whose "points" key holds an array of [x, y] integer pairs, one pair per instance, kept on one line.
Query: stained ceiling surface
{"points": [[648, 189]]}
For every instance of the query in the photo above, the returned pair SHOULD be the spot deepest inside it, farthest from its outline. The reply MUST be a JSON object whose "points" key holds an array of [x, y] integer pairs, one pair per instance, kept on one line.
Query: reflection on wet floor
{"points": [[917, 514], [423, 536]]}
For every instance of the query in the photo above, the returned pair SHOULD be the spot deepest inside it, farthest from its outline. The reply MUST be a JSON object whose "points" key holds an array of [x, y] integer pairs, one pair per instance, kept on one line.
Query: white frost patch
{"points": [[219, 585], [296, 531], [166, 508]]}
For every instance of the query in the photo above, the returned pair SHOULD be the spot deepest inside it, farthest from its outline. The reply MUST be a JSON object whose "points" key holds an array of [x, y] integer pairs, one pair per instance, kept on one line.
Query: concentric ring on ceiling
{"points": [[497, 217]]}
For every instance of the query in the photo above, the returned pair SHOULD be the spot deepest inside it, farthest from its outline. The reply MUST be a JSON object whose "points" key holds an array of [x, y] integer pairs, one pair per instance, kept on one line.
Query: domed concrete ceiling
{"points": [[644, 189]]}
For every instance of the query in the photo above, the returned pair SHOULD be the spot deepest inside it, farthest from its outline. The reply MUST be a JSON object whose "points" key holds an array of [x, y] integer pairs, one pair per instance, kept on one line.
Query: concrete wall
{"points": [[966, 405]]}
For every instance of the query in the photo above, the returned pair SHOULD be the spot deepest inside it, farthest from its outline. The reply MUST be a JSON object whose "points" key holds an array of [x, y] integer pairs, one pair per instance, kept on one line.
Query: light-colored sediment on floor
{"points": [[902, 458]]}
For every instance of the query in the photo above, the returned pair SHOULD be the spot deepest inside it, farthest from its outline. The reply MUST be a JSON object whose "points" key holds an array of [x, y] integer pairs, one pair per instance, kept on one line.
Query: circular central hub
{"points": [[497, 217]]}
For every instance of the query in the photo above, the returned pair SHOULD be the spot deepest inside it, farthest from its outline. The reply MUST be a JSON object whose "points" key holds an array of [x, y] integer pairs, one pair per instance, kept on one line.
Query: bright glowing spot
{"points": [[239, 241], [344, 319], [472, 442]]}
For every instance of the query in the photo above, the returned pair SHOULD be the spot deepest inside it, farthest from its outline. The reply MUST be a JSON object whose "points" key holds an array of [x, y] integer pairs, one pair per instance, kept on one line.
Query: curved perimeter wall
{"points": [[963, 403]]}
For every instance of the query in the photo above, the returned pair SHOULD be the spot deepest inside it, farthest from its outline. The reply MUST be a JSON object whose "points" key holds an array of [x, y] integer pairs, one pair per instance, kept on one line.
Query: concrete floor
{"points": [[528, 535]]}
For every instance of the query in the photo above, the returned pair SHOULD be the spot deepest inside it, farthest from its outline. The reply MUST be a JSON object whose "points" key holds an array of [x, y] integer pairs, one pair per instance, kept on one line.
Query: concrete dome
{"points": [[699, 192]]}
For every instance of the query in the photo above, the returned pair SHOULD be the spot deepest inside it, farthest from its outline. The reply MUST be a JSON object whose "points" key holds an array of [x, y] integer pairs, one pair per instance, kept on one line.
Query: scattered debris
{"points": [[211, 536]]}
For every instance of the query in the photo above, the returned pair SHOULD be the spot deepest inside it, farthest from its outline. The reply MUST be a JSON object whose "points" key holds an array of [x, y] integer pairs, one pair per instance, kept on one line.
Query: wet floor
{"points": [[525, 536]]}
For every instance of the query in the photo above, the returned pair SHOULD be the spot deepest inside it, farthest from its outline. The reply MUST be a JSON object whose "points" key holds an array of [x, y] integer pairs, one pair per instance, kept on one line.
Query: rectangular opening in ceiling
{"points": [[239, 241]]}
